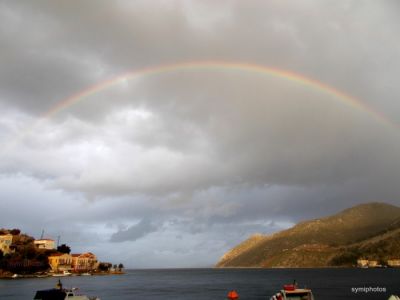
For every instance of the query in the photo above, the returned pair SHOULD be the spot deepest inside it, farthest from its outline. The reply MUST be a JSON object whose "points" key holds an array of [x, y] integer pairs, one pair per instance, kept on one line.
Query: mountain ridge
{"points": [[336, 240]]}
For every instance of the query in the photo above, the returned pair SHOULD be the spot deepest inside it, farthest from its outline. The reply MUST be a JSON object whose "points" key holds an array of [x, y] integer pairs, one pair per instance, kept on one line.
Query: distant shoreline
{"points": [[11, 276]]}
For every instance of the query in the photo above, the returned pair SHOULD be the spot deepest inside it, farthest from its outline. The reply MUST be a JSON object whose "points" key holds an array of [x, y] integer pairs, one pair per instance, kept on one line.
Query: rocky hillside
{"points": [[369, 230]]}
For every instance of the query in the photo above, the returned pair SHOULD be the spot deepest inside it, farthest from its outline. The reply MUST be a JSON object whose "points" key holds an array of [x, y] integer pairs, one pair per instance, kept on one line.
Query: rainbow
{"points": [[207, 66], [220, 65]]}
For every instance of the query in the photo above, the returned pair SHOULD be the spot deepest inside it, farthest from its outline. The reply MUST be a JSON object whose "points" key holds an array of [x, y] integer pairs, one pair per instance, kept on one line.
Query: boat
{"points": [[63, 274], [42, 275], [86, 274], [292, 292], [59, 293], [233, 295], [394, 297]]}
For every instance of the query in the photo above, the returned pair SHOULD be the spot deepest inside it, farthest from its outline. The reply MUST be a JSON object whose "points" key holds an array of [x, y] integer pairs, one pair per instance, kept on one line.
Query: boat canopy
{"points": [[298, 295], [52, 294]]}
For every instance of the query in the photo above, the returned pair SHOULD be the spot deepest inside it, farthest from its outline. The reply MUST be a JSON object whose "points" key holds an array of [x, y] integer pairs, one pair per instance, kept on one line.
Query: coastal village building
{"points": [[362, 263], [60, 262], [366, 263], [84, 262], [47, 244], [373, 264], [393, 262], [5, 243]]}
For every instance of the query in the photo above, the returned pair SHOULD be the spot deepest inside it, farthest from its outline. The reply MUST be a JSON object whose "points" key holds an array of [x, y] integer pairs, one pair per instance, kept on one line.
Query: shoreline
{"points": [[11, 276]]}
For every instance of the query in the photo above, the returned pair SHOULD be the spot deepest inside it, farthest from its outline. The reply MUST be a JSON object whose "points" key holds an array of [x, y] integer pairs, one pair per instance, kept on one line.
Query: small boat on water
{"points": [[42, 275], [292, 292], [59, 293], [63, 274]]}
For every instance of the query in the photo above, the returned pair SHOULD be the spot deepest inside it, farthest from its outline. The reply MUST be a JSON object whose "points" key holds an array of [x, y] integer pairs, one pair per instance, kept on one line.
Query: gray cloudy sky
{"points": [[173, 169]]}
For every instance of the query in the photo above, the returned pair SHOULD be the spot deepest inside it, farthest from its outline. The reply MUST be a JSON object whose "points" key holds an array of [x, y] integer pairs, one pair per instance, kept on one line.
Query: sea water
{"points": [[214, 284]]}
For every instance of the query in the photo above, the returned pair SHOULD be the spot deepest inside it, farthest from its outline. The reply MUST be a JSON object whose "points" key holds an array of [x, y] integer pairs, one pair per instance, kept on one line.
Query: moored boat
{"points": [[63, 274], [292, 292], [42, 275], [59, 293]]}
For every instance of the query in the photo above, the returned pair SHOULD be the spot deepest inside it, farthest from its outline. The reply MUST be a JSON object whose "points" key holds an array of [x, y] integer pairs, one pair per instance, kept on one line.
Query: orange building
{"points": [[60, 262], [84, 262]]}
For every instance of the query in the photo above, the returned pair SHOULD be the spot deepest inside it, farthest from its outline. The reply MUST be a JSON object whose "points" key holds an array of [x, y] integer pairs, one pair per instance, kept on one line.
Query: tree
{"points": [[15, 231], [120, 266], [29, 252], [104, 266], [64, 249]]}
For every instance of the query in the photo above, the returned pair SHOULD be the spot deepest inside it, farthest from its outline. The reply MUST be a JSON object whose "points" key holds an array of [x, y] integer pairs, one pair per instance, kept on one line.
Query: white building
{"points": [[394, 262], [362, 263], [48, 244]]}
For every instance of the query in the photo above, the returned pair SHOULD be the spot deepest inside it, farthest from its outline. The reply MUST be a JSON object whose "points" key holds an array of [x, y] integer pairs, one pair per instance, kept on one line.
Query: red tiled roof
{"points": [[84, 255], [88, 254]]}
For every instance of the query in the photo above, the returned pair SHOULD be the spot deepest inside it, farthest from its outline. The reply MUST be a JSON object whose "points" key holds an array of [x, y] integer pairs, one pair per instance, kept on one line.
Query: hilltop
{"points": [[369, 230], [24, 257]]}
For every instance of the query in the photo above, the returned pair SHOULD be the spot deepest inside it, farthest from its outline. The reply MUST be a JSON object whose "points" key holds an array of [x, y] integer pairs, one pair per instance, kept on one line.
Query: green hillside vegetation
{"points": [[369, 230]]}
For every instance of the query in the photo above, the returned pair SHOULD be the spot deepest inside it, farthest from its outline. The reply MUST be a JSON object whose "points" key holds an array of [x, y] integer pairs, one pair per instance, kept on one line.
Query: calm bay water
{"points": [[213, 284]]}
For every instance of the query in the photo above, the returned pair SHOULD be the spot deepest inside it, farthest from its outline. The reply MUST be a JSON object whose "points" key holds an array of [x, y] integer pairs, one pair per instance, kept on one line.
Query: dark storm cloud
{"points": [[63, 49], [52, 51], [134, 232], [203, 158]]}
